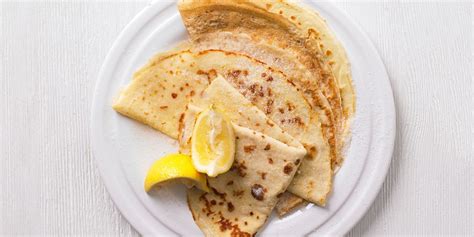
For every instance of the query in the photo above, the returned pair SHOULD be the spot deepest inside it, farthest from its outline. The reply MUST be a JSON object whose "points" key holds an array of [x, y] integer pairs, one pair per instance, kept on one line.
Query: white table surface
{"points": [[50, 55]]}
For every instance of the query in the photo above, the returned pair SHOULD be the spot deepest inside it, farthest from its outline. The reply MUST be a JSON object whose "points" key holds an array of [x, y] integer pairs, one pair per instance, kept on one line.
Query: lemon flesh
{"points": [[212, 143], [175, 167]]}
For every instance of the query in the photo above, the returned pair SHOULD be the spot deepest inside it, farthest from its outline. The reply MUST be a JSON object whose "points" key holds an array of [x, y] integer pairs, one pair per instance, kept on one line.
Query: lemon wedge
{"points": [[212, 143], [175, 167]]}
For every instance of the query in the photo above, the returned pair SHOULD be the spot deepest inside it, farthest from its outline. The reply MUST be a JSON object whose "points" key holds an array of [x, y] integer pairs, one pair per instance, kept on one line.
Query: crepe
{"points": [[241, 199], [157, 96], [288, 38]]}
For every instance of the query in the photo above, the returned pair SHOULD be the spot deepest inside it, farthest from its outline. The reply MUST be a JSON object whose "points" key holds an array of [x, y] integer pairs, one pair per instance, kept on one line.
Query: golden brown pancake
{"points": [[241, 199]]}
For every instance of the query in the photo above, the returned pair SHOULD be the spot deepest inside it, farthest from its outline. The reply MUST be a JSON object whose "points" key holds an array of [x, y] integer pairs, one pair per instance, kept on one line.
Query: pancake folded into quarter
{"points": [[243, 198]]}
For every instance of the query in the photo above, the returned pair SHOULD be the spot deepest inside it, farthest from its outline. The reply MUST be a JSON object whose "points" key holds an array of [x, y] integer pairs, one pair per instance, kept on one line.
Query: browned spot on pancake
{"points": [[297, 161], [181, 89], [267, 147], [270, 161], [269, 91], [313, 33], [279, 195], [174, 95], [328, 53], [212, 74], [281, 110], [257, 192], [245, 72], [240, 166], [187, 84], [238, 193], [270, 123], [287, 169], [225, 224], [310, 185], [263, 74], [249, 148], [269, 106], [257, 90], [230, 182], [290, 106], [291, 82], [296, 120], [257, 124], [312, 151], [270, 78], [245, 223], [207, 205], [221, 195], [263, 175], [230, 207], [213, 202], [293, 17], [235, 73], [192, 93], [280, 12], [251, 213], [181, 118]]}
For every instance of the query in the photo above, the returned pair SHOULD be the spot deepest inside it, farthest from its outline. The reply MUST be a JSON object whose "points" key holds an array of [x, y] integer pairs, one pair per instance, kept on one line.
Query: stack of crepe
{"points": [[275, 70]]}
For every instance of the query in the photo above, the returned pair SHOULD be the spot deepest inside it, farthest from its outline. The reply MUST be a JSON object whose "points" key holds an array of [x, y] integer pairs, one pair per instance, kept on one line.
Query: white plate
{"points": [[124, 149]]}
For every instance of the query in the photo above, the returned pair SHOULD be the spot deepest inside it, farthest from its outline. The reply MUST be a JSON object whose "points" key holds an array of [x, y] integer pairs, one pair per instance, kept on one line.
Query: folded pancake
{"points": [[157, 96], [281, 25], [241, 199]]}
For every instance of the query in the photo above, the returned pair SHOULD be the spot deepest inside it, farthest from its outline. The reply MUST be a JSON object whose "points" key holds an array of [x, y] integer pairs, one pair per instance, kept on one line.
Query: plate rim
{"points": [[113, 58]]}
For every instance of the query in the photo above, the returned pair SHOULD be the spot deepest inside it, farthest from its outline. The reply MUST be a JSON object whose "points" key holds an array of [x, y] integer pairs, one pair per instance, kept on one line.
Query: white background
{"points": [[50, 56]]}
